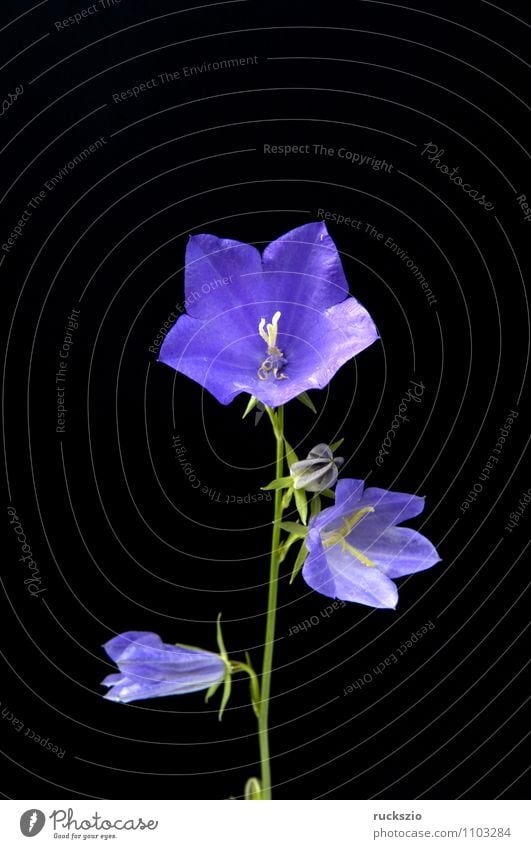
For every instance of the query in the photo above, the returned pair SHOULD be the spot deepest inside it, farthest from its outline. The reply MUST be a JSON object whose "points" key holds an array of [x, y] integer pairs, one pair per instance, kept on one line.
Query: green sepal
{"points": [[305, 399], [253, 401], [291, 457], [219, 637], [286, 499], [227, 686], [315, 506], [302, 504], [285, 547], [329, 493], [294, 528], [212, 690], [335, 445], [253, 790], [299, 563], [227, 680], [279, 483]]}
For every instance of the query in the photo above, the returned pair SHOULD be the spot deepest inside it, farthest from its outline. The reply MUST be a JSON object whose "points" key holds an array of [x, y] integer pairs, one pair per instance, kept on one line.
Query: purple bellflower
{"points": [[150, 668], [355, 549], [271, 325]]}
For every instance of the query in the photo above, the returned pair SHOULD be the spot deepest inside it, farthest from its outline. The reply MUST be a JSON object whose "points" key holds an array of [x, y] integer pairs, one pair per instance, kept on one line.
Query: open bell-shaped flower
{"points": [[355, 548], [272, 325], [318, 472]]}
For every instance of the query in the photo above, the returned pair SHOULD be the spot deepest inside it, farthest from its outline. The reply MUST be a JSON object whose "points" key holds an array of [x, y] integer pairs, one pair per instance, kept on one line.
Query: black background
{"points": [[121, 537]]}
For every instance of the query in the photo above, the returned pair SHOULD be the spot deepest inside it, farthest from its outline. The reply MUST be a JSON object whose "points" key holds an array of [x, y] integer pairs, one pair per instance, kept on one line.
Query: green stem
{"points": [[265, 684]]}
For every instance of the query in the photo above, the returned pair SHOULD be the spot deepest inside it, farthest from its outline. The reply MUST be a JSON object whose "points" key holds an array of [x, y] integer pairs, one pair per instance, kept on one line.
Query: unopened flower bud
{"points": [[319, 471]]}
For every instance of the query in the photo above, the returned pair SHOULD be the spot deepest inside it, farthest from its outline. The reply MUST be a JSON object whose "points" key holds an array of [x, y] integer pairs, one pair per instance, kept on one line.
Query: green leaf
{"points": [[329, 493], [279, 483], [285, 547], [250, 406], [315, 506], [302, 504], [305, 399], [294, 528], [291, 457], [286, 499], [219, 636], [211, 690], [253, 790], [227, 685], [299, 563], [335, 445]]}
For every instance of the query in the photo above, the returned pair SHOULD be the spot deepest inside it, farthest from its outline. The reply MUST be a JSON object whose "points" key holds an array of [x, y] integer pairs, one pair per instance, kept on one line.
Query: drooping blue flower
{"points": [[271, 325], [356, 549], [150, 668]]}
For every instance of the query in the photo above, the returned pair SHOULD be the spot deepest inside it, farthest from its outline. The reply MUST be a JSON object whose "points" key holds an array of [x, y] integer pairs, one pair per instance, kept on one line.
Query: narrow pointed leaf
{"points": [[286, 499], [299, 563], [227, 685], [279, 483], [329, 493], [302, 504], [291, 457], [315, 506], [250, 406], [294, 528], [305, 399], [335, 445]]}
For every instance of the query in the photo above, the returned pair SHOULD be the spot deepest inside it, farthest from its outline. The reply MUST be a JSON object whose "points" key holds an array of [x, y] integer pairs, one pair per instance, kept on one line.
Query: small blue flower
{"points": [[150, 668], [270, 325], [355, 549]]}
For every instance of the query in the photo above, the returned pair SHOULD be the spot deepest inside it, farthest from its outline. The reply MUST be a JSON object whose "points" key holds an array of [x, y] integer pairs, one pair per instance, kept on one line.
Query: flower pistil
{"points": [[275, 360], [339, 535]]}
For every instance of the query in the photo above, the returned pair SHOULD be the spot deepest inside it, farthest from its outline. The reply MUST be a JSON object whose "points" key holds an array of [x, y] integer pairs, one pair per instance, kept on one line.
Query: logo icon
{"points": [[32, 822]]}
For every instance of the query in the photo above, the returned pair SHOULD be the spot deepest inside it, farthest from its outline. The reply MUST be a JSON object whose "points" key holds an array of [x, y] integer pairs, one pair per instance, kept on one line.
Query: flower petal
{"points": [[117, 645], [206, 353], [305, 263], [396, 551], [132, 689], [338, 574], [213, 278], [392, 507], [348, 493]]}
